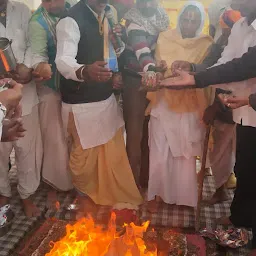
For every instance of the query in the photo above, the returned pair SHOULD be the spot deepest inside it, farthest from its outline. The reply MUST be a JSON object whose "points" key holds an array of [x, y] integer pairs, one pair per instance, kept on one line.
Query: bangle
{"points": [[192, 67], [81, 72], [3, 109]]}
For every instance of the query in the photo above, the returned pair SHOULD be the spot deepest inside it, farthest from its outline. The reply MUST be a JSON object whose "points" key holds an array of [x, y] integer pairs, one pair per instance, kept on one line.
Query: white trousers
{"points": [[55, 168], [172, 178], [222, 157], [28, 158]]}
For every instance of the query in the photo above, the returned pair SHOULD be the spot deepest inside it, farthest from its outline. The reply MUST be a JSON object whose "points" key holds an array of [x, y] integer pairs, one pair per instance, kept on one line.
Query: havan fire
{"points": [[85, 238]]}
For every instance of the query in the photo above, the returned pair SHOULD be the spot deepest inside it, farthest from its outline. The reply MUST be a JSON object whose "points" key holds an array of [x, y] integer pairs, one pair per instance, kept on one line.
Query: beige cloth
{"points": [[172, 178], [222, 157], [29, 98], [172, 47], [103, 172], [96, 122], [28, 158], [55, 170]]}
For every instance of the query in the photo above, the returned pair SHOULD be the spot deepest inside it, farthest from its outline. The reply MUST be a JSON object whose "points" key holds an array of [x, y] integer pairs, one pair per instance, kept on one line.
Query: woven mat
{"points": [[21, 224], [171, 216]]}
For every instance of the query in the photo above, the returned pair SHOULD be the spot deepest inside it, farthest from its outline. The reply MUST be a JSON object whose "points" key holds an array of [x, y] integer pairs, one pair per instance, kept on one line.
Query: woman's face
{"points": [[190, 22], [148, 8]]}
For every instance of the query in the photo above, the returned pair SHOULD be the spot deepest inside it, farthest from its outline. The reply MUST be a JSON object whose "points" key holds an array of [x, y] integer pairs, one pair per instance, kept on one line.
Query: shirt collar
{"points": [[94, 13]]}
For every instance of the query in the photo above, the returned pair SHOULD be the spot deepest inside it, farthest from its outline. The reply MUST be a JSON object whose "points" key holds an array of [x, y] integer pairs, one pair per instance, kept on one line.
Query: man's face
{"points": [[98, 5], [246, 7], [148, 8], [55, 7]]}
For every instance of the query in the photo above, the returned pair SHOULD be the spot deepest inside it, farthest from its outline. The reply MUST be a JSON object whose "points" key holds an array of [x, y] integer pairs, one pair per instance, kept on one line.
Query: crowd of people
{"points": [[66, 126]]}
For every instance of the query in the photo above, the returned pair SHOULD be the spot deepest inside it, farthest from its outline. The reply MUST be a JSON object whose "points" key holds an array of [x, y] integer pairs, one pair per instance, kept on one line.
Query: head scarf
{"points": [[229, 18], [201, 10]]}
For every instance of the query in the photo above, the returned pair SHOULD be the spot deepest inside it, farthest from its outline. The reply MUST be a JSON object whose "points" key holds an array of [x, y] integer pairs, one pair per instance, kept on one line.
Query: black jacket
{"points": [[234, 71], [90, 49]]}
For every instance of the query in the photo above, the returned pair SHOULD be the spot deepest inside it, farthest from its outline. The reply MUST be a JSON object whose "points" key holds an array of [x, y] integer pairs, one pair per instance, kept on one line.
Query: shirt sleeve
{"points": [[68, 37], [26, 15], [137, 39], [38, 41], [252, 101], [236, 70], [230, 50]]}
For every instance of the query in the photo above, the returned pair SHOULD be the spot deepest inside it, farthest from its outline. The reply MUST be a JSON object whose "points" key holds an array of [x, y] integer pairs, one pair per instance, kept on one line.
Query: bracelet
{"points": [[81, 72], [192, 67], [3, 109]]}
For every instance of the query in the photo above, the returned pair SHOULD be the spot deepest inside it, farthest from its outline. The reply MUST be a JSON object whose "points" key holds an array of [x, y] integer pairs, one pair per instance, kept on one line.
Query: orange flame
{"points": [[85, 238]]}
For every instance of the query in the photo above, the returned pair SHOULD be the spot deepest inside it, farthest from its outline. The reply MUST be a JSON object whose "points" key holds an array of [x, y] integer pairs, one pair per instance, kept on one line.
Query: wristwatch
{"points": [[3, 109]]}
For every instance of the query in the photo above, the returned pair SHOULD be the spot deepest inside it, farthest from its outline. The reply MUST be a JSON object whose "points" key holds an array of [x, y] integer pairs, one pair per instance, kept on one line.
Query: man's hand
{"points": [[180, 65], [182, 81], [97, 72], [22, 74], [162, 67], [13, 130], [11, 97], [236, 102], [42, 72], [12, 125]]}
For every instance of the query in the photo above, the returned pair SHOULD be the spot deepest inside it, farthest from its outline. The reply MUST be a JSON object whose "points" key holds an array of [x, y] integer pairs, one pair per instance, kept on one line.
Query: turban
{"points": [[229, 18]]}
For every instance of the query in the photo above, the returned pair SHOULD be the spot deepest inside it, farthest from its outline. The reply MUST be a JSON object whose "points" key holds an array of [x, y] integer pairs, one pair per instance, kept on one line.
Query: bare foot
{"points": [[51, 199], [219, 196], [225, 221], [4, 200], [152, 206], [252, 253], [30, 209]]}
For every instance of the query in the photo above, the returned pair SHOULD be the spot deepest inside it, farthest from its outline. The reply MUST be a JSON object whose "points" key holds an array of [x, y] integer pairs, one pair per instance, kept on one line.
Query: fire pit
{"points": [[84, 237]]}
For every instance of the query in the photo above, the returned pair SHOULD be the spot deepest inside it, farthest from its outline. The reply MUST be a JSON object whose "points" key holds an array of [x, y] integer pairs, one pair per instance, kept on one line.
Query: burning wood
{"points": [[86, 238]]}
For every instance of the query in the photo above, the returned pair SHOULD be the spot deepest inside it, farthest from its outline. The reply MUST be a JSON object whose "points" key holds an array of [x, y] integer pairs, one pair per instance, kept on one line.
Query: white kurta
{"points": [[175, 141], [242, 37], [55, 169], [28, 150]]}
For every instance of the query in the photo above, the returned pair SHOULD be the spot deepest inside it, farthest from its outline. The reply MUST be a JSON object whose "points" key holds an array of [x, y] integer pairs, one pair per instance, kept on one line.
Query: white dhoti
{"points": [[55, 169], [28, 158], [222, 157], [175, 139]]}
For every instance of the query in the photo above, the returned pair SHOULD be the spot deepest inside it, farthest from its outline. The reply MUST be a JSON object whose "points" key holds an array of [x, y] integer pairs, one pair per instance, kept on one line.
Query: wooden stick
{"points": [[201, 178]]}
